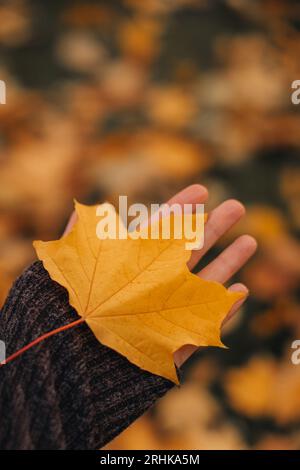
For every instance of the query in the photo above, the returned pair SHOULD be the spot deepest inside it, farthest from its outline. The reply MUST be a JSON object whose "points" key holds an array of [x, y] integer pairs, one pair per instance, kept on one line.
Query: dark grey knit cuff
{"points": [[70, 391]]}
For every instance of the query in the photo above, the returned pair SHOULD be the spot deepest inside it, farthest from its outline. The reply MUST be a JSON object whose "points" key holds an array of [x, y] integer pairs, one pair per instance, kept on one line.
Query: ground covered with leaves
{"points": [[142, 98]]}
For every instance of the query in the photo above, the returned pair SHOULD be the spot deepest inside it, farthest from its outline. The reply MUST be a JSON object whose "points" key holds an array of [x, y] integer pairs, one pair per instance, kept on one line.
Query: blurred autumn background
{"points": [[142, 98]]}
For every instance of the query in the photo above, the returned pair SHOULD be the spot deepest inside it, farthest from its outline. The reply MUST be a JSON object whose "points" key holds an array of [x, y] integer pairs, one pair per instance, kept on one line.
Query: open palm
{"points": [[231, 260]]}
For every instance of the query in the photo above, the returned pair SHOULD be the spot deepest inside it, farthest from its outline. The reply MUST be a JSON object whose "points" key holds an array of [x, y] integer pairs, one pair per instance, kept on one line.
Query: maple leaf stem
{"points": [[41, 338]]}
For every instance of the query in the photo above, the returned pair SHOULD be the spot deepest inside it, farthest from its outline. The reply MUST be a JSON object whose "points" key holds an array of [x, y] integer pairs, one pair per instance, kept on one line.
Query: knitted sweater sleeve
{"points": [[69, 391]]}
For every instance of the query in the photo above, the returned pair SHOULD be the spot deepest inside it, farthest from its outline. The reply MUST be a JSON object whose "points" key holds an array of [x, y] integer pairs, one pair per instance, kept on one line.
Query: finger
{"points": [[194, 194], [219, 222], [236, 288], [72, 220], [182, 354], [186, 351], [231, 260]]}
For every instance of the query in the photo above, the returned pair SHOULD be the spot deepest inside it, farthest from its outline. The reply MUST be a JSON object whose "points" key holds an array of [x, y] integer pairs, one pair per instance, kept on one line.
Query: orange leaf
{"points": [[137, 296]]}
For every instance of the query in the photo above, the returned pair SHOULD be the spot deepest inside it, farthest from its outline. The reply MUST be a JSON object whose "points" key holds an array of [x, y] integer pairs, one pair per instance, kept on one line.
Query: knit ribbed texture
{"points": [[69, 391]]}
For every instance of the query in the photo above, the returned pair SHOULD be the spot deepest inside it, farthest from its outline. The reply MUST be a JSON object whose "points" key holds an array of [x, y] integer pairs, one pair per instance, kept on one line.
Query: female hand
{"points": [[224, 266]]}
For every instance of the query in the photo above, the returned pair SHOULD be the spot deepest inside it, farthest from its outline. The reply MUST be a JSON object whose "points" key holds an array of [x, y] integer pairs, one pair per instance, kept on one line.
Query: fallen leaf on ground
{"points": [[266, 388]]}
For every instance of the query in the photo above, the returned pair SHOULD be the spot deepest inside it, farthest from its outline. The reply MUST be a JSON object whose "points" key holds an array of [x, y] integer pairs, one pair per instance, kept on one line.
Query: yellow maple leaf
{"points": [[137, 295]]}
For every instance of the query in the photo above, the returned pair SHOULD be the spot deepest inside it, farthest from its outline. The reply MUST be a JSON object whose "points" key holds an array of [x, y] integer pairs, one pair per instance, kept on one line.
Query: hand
{"points": [[231, 260]]}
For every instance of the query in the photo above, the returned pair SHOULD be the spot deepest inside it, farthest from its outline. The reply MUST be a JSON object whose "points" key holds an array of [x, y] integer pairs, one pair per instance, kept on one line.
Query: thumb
{"points": [[72, 220]]}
